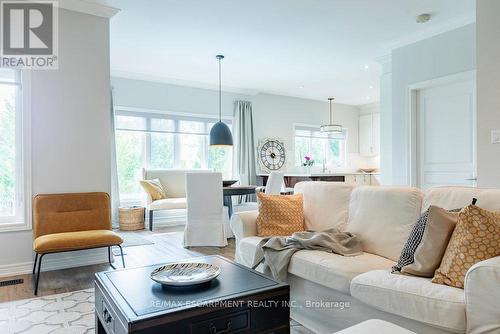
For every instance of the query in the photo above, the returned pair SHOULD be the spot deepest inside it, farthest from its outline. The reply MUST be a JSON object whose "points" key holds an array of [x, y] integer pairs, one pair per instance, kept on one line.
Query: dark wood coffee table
{"points": [[240, 300]]}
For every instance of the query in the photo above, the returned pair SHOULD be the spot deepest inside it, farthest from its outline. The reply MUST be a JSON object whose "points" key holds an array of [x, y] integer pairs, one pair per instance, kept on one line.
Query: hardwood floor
{"points": [[166, 247]]}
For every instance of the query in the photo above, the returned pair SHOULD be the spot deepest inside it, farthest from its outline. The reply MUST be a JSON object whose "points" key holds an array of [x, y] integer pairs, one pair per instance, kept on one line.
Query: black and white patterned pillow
{"points": [[408, 253]]}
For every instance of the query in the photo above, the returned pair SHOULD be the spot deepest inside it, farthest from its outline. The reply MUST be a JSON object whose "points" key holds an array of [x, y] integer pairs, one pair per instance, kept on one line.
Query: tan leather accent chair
{"points": [[71, 222]]}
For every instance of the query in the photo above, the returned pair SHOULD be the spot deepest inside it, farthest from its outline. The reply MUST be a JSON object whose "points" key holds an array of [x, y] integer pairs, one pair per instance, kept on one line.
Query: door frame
{"points": [[413, 89]]}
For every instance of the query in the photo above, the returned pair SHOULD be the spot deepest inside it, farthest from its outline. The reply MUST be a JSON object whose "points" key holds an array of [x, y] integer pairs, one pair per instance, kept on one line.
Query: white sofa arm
{"points": [[244, 224], [482, 297]]}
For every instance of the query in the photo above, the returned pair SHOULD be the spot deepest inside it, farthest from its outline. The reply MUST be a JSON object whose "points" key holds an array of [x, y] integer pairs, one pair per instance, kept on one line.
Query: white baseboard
{"points": [[58, 261], [16, 269]]}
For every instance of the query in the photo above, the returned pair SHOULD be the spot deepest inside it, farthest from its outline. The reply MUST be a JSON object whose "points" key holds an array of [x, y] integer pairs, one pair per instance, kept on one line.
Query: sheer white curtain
{"points": [[245, 147], [115, 192]]}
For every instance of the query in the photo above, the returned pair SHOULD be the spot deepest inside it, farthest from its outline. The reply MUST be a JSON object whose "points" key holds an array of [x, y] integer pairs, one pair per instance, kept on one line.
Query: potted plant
{"points": [[308, 163]]}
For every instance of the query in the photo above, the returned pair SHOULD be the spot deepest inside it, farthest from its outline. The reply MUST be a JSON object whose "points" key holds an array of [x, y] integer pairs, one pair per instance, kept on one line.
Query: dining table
{"points": [[236, 190]]}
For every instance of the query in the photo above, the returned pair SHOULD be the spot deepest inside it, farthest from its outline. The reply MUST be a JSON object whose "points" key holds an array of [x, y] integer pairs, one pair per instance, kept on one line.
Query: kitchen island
{"points": [[351, 177]]}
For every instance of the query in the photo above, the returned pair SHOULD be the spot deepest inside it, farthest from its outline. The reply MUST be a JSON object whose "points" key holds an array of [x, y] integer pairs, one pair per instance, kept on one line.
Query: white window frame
{"points": [[148, 114], [176, 117], [22, 220], [313, 127]]}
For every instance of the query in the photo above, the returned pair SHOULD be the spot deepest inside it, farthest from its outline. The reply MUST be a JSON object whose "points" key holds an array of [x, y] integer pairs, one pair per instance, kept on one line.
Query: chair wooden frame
{"points": [[38, 262]]}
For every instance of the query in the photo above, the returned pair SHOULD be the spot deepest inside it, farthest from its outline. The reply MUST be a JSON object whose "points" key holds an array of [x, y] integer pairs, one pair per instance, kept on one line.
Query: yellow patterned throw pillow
{"points": [[475, 238], [279, 215], [154, 189]]}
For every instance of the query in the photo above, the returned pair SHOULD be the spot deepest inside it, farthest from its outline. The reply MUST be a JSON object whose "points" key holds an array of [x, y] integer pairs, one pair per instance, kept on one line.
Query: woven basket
{"points": [[131, 218]]}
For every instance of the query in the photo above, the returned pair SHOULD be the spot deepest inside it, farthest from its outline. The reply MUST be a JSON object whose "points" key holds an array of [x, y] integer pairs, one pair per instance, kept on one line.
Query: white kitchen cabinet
{"points": [[369, 135], [375, 179], [358, 179]]}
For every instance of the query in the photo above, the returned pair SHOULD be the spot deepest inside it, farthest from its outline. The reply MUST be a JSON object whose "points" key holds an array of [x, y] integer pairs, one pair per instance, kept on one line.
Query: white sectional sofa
{"points": [[359, 288]]}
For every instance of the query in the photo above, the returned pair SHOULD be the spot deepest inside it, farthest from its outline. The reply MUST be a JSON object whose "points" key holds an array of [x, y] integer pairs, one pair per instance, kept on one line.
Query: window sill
{"points": [[13, 226]]}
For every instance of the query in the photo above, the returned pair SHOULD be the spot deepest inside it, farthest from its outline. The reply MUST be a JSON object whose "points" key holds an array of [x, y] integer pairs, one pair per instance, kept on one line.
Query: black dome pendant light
{"points": [[220, 135]]}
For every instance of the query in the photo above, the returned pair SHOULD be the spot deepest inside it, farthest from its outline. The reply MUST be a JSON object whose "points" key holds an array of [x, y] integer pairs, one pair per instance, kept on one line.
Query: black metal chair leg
{"points": [[121, 252], [151, 220], [34, 263], [37, 279], [109, 258]]}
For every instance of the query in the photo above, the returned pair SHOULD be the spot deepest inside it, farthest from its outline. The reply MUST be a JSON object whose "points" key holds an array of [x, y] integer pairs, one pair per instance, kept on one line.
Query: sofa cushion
{"points": [[153, 188], [458, 197], [60, 242], [333, 270], [428, 239], [326, 204], [247, 252], [476, 238], [412, 297], [172, 180], [382, 217], [168, 204], [375, 326]]}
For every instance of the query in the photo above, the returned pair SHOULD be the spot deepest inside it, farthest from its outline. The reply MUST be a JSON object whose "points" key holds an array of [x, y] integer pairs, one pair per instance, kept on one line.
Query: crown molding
{"points": [[88, 7], [438, 29]]}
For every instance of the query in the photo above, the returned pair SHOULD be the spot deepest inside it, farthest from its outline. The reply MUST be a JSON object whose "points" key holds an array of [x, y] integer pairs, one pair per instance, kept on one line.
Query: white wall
{"points": [[488, 91], [386, 121], [370, 108], [70, 120], [442, 55], [274, 115]]}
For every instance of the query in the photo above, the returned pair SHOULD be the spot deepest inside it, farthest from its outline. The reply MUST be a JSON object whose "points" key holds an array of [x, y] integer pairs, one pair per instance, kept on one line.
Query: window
{"points": [[322, 147], [12, 214], [163, 141]]}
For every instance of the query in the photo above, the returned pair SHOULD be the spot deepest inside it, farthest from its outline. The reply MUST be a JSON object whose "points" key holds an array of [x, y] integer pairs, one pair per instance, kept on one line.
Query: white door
{"points": [[445, 135]]}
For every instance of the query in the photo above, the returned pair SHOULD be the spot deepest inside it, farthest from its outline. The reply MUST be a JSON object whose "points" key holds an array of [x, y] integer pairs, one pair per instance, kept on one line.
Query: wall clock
{"points": [[271, 154]]}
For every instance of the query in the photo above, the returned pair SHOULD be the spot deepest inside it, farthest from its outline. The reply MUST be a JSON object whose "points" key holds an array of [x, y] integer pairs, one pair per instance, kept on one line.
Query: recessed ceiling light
{"points": [[367, 67], [371, 87], [423, 18]]}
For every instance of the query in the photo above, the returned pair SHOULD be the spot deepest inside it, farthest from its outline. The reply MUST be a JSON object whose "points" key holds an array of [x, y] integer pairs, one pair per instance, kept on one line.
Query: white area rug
{"points": [[65, 313]]}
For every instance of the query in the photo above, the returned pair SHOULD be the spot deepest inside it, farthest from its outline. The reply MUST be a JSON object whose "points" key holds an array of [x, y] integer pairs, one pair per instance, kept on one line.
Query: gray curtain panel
{"points": [[245, 156], [115, 192]]}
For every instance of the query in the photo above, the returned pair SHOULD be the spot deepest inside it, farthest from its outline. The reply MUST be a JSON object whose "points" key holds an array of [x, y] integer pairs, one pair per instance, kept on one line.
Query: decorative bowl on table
{"points": [[184, 274], [368, 170], [228, 183]]}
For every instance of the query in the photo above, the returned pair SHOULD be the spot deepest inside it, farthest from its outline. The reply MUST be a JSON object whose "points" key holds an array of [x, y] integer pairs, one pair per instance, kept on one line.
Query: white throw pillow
{"points": [[382, 217]]}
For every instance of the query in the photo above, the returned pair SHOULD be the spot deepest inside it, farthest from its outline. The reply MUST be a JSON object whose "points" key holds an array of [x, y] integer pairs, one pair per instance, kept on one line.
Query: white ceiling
{"points": [[304, 48]]}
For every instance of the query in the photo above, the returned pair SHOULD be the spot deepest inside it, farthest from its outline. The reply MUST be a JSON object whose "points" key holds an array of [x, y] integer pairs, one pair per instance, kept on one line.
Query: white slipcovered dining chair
{"points": [[274, 186], [275, 183], [207, 219]]}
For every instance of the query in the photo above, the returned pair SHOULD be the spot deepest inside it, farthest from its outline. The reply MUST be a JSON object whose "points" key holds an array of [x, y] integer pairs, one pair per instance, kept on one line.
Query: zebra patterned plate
{"points": [[180, 274]]}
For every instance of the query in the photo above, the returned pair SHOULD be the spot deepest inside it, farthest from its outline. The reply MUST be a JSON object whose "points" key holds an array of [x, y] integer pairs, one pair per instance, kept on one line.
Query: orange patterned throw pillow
{"points": [[280, 215], [475, 238]]}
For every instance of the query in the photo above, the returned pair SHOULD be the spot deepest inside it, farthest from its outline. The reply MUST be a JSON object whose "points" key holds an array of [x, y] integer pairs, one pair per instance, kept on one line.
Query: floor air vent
{"points": [[11, 282]]}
